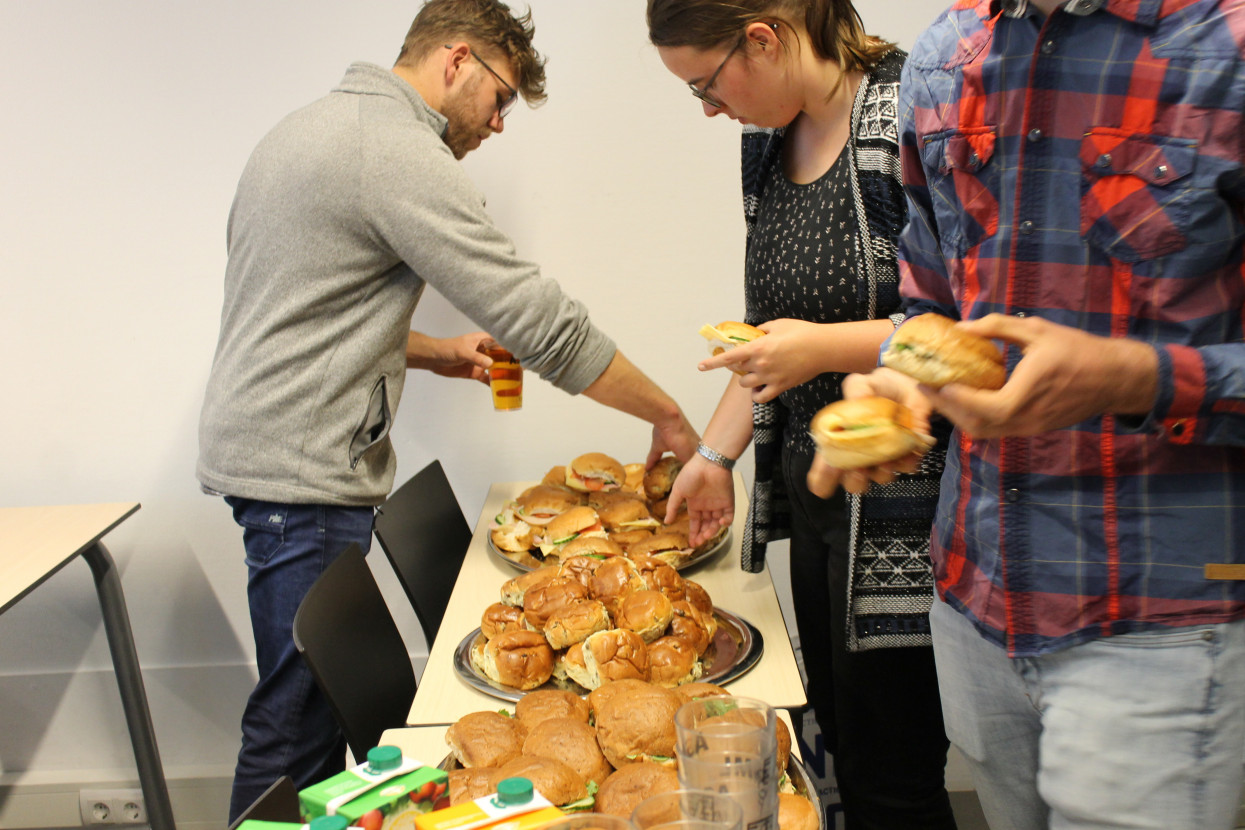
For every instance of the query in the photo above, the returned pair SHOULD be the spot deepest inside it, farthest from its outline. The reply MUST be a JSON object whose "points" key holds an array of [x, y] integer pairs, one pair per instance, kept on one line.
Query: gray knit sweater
{"points": [[346, 209]]}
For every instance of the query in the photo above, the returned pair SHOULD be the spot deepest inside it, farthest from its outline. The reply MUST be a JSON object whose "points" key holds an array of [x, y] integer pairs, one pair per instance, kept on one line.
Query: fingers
{"points": [[823, 479]]}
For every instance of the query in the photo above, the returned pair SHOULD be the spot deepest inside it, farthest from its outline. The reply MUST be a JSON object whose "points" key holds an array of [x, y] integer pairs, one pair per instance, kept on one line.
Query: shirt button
{"points": [[1026, 227], [1160, 172], [1048, 47], [1012, 496], [1104, 160], [1021, 314], [974, 162], [1177, 428], [1035, 134]]}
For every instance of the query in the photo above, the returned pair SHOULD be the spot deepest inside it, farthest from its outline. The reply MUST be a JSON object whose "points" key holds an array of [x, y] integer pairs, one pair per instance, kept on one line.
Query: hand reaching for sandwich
{"points": [[710, 495]]}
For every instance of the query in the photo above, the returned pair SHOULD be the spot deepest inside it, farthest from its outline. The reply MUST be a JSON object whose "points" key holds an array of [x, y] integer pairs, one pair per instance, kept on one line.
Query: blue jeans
{"points": [[287, 727], [1143, 730]]}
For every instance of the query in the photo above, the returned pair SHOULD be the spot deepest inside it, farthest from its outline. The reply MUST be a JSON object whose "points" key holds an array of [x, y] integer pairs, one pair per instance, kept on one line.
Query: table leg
{"points": [[130, 681]]}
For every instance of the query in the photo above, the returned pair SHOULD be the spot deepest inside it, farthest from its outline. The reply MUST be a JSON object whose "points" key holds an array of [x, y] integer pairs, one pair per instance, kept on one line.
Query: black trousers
{"points": [[878, 710]]}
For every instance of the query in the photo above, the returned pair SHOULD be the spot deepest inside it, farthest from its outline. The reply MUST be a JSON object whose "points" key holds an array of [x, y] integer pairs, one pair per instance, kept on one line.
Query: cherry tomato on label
{"points": [[371, 820]]}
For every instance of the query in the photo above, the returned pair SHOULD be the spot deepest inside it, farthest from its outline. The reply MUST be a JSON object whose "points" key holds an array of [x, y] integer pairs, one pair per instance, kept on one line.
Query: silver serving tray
{"points": [[527, 561], [801, 780], [736, 648]]}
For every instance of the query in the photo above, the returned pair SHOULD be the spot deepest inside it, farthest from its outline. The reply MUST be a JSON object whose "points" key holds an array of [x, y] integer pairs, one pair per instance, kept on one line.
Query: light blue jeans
{"points": [[1132, 731]]}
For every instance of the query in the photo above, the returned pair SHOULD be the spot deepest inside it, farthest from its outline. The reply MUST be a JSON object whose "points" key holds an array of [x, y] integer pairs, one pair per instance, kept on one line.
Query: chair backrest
{"points": [[278, 803], [422, 530], [344, 631]]}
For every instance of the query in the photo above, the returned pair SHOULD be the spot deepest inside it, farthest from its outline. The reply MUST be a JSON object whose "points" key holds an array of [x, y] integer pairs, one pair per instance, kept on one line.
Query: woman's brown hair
{"points": [[834, 26]]}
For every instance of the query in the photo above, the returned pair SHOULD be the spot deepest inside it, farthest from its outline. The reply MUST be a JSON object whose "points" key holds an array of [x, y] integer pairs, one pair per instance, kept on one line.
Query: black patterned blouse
{"points": [[801, 264]]}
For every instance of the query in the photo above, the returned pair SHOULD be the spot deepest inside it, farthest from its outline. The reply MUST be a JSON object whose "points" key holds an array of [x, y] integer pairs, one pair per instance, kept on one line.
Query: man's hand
{"points": [[710, 495], [1064, 377], [451, 357], [674, 435], [823, 479]]}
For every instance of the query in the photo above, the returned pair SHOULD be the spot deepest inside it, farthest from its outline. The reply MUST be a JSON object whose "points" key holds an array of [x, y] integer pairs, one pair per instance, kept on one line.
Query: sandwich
{"points": [[931, 349], [513, 590], [575, 622], [637, 724], [672, 661], [646, 612], [698, 689], [598, 696], [520, 659], [512, 537], [727, 335], [658, 576], [690, 625], [551, 778], [545, 600], [627, 538], [499, 618], [571, 664], [571, 741], [594, 471], [865, 432], [698, 597], [539, 504], [469, 783], [576, 522], [592, 545], [614, 580], [622, 792], [626, 514], [581, 566], [485, 739], [795, 812], [541, 704], [614, 654], [634, 478], [659, 480], [669, 547]]}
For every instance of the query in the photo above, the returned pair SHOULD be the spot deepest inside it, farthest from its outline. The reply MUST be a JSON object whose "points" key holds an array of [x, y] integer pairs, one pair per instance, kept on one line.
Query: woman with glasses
{"points": [[824, 205]]}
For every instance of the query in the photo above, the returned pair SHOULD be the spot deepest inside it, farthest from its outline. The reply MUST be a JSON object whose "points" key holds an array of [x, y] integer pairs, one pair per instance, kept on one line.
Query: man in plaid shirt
{"points": [[1077, 191]]}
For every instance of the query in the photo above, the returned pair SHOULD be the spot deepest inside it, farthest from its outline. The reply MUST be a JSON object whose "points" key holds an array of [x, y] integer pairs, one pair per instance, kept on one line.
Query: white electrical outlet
{"points": [[105, 807]]}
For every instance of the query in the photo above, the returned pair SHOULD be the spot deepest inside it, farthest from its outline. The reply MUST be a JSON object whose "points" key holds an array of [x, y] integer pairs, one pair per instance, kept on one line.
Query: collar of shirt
{"points": [[1145, 12]]}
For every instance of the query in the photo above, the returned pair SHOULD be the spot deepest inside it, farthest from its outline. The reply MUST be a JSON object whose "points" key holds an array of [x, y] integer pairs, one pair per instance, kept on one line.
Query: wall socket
{"points": [[101, 807]]}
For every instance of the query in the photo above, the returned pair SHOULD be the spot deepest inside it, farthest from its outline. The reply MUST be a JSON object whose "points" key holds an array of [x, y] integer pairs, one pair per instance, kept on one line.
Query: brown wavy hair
{"points": [[491, 29], [834, 26]]}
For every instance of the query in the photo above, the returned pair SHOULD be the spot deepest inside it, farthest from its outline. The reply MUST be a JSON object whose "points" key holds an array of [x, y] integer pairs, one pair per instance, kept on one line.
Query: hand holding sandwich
{"points": [[824, 479], [793, 352], [1065, 376]]}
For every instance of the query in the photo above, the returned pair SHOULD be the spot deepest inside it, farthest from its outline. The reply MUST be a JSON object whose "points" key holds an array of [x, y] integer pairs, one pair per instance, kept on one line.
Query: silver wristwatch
{"points": [[716, 457]]}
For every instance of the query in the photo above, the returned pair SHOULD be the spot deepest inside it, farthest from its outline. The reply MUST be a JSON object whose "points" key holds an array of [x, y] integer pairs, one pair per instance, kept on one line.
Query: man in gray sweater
{"points": [[346, 209]]}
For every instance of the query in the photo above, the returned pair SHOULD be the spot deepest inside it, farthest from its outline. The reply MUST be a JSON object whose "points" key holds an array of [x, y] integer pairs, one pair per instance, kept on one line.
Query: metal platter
{"points": [[801, 781], [527, 561], [736, 648]]}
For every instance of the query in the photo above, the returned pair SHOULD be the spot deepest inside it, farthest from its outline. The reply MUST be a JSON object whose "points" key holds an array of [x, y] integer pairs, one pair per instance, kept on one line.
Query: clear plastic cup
{"points": [[729, 745], [590, 821], [505, 377], [685, 809]]}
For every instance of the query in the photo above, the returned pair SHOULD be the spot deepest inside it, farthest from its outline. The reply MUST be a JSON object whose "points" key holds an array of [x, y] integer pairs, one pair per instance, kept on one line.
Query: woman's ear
{"points": [[763, 36]]}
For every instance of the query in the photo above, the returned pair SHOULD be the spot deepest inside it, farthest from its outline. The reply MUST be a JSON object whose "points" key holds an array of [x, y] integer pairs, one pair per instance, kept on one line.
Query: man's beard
{"points": [[458, 112]]}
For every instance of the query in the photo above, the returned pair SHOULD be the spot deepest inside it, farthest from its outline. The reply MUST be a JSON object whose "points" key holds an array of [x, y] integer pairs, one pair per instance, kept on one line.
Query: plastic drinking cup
{"points": [[505, 378], [729, 745], [685, 809]]}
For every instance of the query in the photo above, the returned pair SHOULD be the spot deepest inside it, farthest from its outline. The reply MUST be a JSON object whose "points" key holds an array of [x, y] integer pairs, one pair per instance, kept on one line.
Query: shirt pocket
{"points": [[374, 425], [1137, 193], [964, 184]]}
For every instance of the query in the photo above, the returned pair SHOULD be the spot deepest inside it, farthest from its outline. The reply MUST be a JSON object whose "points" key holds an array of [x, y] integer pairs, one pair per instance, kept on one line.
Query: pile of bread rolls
{"points": [[598, 505], [604, 753], [592, 619]]}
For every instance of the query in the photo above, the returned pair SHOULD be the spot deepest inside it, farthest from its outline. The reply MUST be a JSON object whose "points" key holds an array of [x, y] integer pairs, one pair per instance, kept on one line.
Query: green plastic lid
{"points": [[514, 791], [329, 823], [381, 758]]}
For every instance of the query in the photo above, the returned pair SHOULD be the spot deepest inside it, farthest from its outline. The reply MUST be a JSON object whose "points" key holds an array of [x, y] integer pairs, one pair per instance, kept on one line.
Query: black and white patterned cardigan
{"points": [[891, 584]]}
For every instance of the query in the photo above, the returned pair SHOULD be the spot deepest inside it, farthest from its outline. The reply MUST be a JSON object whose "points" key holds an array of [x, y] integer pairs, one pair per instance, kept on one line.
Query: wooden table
{"points": [[36, 542], [443, 697]]}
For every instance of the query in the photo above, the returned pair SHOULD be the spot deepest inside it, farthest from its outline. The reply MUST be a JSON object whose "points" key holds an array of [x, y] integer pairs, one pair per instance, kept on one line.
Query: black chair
{"points": [[278, 803], [422, 530], [344, 631]]}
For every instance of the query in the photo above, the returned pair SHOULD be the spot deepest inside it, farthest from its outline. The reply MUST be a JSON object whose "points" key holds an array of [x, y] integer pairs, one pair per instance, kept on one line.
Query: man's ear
{"points": [[456, 56]]}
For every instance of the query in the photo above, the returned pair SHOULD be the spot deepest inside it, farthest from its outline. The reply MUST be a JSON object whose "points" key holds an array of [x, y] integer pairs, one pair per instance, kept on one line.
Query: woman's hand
{"points": [[770, 365], [710, 495]]}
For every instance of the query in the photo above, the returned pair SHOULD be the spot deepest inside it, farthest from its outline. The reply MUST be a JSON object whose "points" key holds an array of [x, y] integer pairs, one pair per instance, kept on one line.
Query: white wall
{"points": [[125, 126]]}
